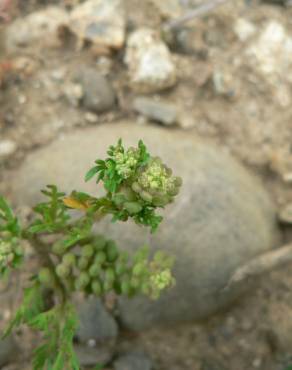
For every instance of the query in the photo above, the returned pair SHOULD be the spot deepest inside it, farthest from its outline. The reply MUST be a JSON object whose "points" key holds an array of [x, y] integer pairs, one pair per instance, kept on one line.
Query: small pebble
{"points": [[163, 112], [257, 362], [22, 99], [91, 117], [7, 148]]}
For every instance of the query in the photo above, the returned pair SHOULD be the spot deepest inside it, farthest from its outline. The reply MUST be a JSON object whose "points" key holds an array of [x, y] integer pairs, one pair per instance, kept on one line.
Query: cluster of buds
{"points": [[126, 161], [153, 185], [10, 254], [98, 268]]}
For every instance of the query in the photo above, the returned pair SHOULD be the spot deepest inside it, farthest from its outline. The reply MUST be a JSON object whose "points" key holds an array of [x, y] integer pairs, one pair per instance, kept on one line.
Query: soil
{"points": [[246, 116]]}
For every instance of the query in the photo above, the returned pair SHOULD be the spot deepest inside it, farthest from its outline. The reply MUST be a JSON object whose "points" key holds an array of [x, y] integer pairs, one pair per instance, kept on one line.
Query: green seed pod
{"points": [[136, 187], [168, 170], [118, 200], [69, 259], [109, 275], [87, 251], [83, 263], [135, 282], [111, 251], [161, 201], [99, 242], [159, 256], [120, 268], [108, 286], [59, 248], [46, 277], [133, 207], [100, 258], [139, 269], [62, 271], [124, 257], [95, 270], [157, 160], [173, 192], [96, 287], [125, 287], [178, 181], [146, 196], [129, 194], [69, 283], [82, 281], [145, 288]]}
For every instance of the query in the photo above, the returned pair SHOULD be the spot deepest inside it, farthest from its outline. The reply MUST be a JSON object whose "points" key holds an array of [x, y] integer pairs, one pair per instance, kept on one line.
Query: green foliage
{"points": [[136, 184], [58, 326], [53, 213], [78, 260], [8, 222], [11, 252], [31, 306]]}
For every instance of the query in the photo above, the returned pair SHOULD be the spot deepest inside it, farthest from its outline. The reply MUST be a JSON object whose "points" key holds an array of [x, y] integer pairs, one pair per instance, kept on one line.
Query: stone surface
{"points": [[36, 27], [100, 21], [8, 351], [222, 218], [156, 110], [149, 61], [91, 356], [98, 94], [133, 361], [95, 322]]}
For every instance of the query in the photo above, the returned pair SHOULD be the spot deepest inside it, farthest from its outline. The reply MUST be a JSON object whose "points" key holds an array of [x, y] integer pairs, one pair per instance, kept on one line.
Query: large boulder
{"points": [[222, 218]]}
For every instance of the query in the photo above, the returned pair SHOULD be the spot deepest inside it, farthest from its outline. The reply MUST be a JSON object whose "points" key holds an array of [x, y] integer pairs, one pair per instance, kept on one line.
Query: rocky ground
{"points": [[224, 77]]}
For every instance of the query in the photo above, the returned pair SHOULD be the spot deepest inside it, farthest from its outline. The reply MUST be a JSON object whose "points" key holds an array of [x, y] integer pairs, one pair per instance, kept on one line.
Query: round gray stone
{"points": [[222, 218], [133, 361], [95, 322]]}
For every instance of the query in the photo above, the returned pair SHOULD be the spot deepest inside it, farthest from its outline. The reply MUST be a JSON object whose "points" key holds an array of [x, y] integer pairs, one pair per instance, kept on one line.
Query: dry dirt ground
{"points": [[248, 112]]}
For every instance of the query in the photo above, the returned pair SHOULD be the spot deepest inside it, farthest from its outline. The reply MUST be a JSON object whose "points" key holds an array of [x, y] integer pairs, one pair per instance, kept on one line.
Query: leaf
{"points": [[10, 223], [58, 326], [30, 307], [91, 173], [75, 204], [53, 213]]}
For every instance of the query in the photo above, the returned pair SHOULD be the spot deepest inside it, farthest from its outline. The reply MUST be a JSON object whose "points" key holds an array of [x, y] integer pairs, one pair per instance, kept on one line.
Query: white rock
{"points": [[270, 56], [7, 148], [149, 61], [272, 50], [35, 28], [100, 21], [244, 29]]}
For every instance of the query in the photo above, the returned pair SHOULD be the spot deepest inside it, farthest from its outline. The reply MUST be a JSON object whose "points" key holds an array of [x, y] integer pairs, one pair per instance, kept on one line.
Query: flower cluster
{"points": [[137, 183], [155, 183]]}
